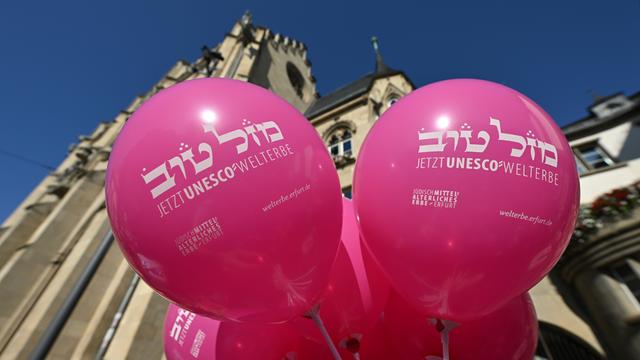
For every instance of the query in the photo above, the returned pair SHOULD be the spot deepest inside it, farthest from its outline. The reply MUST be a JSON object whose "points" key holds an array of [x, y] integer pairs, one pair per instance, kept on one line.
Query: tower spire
{"points": [[246, 19], [381, 67]]}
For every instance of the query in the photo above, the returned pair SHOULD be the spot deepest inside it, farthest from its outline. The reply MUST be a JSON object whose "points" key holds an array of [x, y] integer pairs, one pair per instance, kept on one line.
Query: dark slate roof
{"points": [[347, 92], [343, 94]]}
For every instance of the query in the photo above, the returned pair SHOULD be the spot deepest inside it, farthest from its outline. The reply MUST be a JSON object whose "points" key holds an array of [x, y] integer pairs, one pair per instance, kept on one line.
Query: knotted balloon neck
{"points": [[352, 345], [444, 327]]}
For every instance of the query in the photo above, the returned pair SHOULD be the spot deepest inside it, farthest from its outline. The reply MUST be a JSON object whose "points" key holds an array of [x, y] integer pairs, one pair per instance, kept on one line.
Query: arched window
{"points": [[390, 100], [340, 145], [295, 78]]}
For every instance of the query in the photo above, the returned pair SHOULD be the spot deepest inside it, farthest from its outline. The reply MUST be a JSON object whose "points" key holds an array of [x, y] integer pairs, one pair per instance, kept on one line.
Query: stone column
{"points": [[614, 315]]}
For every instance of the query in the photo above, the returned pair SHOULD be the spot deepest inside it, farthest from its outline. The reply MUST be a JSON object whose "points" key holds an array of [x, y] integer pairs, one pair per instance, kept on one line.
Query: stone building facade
{"points": [[48, 243], [599, 274]]}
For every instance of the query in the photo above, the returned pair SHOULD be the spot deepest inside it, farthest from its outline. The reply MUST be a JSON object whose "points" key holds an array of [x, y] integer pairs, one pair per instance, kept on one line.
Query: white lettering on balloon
{"points": [[198, 236], [524, 217], [181, 325], [437, 198], [286, 197], [197, 164], [548, 152], [206, 153], [197, 343], [437, 141]]}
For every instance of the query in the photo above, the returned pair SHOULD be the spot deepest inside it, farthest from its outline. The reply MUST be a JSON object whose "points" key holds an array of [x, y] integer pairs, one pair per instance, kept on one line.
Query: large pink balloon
{"points": [[357, 291], [191, 336], [225, 200], [467, 194], [509, 333]]}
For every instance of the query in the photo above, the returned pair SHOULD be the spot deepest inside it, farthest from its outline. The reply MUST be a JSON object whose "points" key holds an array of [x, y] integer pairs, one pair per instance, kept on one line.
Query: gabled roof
{"points": [[355, 88], [347, 92]]}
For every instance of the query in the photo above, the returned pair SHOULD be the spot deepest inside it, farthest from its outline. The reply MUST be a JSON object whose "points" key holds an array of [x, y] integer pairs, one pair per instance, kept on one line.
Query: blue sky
{"points": [[69, 64]]}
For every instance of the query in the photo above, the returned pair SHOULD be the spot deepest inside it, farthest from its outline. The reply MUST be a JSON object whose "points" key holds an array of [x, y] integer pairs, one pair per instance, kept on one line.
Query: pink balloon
{"points": [[191, 336], [467, 194], [510, 333], [357, 291], [225, 200]]}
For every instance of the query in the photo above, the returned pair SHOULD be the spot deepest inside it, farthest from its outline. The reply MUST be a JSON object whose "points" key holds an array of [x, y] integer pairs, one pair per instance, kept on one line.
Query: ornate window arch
{"points": [[391, 99], [339, 140]]}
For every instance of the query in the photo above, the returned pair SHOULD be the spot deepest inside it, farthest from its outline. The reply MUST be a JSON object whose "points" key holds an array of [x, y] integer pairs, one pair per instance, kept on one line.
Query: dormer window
{"points": [[391, 99], [611, 106]]}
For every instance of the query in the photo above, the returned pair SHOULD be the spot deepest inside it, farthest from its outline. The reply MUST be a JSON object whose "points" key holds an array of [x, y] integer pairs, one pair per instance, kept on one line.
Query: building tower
{"points": [[52, 241], [48, 242]]}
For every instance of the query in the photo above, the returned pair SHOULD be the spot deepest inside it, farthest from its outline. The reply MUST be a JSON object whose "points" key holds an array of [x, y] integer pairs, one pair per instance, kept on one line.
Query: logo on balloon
{"points": [[436, 141], [437, 198], [199, 235], [197, 343], [181, 325], [261, 134]]}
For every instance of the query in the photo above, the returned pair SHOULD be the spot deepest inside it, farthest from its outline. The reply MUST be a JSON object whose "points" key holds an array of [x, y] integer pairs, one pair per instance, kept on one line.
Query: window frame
{"points": [[340, 143], [580, 164], [578, 151]]}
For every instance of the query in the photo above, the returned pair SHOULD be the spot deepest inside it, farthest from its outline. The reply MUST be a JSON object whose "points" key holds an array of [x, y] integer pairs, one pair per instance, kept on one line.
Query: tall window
{"points": [[591, 157], [295, 78], [340, 144], [628, 279]]}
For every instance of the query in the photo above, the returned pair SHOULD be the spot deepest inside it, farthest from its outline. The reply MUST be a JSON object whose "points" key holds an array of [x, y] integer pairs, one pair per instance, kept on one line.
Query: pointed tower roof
{"points": [[354, 88], [381, 67]]}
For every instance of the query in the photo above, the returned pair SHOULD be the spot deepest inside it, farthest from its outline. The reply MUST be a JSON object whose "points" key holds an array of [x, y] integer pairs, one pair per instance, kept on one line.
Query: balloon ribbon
{"points": [[444, 327], [314, 314]]}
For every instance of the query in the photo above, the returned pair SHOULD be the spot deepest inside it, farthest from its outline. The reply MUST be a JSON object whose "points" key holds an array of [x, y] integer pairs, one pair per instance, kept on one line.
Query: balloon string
{"points": [[315, 315], [444, 327], [444, 336]]}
